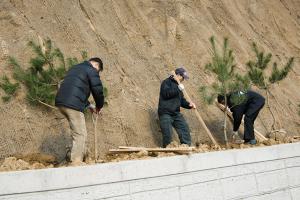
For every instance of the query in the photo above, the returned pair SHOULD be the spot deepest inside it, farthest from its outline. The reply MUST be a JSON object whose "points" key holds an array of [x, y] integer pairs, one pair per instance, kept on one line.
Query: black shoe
{"points": [[68, 154]]}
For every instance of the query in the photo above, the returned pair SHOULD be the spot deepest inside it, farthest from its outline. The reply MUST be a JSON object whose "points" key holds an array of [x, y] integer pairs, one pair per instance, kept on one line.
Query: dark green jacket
{"points": [[171, 98], [253, 102]]}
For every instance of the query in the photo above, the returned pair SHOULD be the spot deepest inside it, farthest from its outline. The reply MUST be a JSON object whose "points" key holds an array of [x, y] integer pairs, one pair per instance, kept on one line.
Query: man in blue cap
{"points": [[171, 98]]}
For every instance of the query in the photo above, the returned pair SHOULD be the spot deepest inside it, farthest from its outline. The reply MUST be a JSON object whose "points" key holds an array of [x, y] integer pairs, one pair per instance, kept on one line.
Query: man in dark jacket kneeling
{"points": [[72, 100], [171, 98], [250, 107]]}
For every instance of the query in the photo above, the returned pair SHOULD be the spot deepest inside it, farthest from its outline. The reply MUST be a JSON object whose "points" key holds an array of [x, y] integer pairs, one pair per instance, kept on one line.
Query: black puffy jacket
{"points": [[80, 81], [252, 103], [171, 98]]}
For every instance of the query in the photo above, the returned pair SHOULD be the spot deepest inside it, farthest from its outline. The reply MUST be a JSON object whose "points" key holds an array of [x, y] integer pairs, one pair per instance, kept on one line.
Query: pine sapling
{"points": [[222, 65], [258, 75], [46, 70]]}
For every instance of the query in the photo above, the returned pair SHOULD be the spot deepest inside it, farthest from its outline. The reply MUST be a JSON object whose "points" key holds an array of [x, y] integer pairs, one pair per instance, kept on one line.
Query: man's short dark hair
{"points": [[99, 61], [221, 98]]}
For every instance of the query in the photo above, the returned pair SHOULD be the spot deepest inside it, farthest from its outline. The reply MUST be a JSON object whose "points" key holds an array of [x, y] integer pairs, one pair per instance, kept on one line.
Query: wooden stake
{"points": [[138, 149], [95, 136]]}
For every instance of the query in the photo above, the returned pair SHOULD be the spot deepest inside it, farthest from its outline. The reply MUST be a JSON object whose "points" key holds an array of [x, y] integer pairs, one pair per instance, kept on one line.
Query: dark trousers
{"points": [[249, 119], [178, 122]]}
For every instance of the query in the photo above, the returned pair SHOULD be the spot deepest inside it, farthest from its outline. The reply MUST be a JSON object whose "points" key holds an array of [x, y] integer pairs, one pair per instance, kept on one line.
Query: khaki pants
{"points": [[78, 132]]}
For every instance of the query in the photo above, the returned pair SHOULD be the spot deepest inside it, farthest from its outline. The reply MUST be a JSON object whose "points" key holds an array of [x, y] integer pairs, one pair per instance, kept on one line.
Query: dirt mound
{"points": [[140, 42], [15, 164], [37, 157], [28, 161]]}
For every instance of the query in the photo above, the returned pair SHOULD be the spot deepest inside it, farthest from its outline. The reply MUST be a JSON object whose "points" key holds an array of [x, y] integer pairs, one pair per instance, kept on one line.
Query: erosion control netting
{"points": [[12, 143]]}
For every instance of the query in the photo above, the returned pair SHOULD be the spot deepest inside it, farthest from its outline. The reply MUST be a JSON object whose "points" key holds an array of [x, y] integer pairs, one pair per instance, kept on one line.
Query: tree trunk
{"points": [[268, 106], [225, 120], [278, 112]]}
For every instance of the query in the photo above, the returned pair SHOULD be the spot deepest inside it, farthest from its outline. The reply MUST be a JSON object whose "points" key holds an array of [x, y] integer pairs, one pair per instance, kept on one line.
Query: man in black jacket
{"points": [[72, 100], [250, 107], [171, 98]]}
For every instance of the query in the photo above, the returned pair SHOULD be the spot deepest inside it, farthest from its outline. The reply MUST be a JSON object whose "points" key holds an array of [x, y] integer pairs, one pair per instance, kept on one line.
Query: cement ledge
{"points": [[143, 174]]}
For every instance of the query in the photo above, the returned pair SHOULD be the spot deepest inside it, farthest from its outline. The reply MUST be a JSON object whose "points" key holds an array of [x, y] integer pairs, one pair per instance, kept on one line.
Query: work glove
{"points": [[181, 86], [98, 111], [92, 108], [192, 105]]}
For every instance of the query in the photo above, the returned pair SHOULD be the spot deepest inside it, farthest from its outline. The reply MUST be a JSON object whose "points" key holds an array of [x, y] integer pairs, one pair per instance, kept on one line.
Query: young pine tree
{"points": [[222, 65], [47, 69], [257, 73]]}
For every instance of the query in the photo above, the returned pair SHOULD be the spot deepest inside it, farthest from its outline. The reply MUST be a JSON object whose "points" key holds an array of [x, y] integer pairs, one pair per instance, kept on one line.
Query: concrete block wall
{"points": [[252, 174]]}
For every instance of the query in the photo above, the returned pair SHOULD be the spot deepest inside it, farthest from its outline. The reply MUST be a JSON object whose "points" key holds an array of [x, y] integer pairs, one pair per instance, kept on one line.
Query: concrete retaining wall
{"points": [[256, 173]]}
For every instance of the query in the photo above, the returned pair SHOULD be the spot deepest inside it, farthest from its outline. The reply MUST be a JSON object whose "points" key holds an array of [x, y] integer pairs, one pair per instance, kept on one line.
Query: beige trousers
{"points": [[78, 132]]}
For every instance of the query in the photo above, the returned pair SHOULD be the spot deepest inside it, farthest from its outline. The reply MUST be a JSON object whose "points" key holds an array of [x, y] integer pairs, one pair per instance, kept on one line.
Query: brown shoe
{"points": [[76, 163]]}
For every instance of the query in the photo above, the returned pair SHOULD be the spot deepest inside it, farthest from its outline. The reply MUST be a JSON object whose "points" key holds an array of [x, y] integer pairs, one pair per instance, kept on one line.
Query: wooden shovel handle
{"points": [[201, 120]]}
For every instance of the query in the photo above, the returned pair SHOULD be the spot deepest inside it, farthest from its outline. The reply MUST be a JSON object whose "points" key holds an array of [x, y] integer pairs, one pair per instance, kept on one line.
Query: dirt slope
{"points": [[140, 42]]}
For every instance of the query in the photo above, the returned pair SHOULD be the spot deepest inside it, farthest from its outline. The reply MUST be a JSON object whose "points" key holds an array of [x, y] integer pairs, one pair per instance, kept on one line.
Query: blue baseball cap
{"points": [[182, 72]]}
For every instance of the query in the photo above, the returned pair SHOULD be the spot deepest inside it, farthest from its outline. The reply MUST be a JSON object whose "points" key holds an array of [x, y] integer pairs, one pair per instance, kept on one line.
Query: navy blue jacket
{"points": [[171, 98], [80, 81], [251, 104]]}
